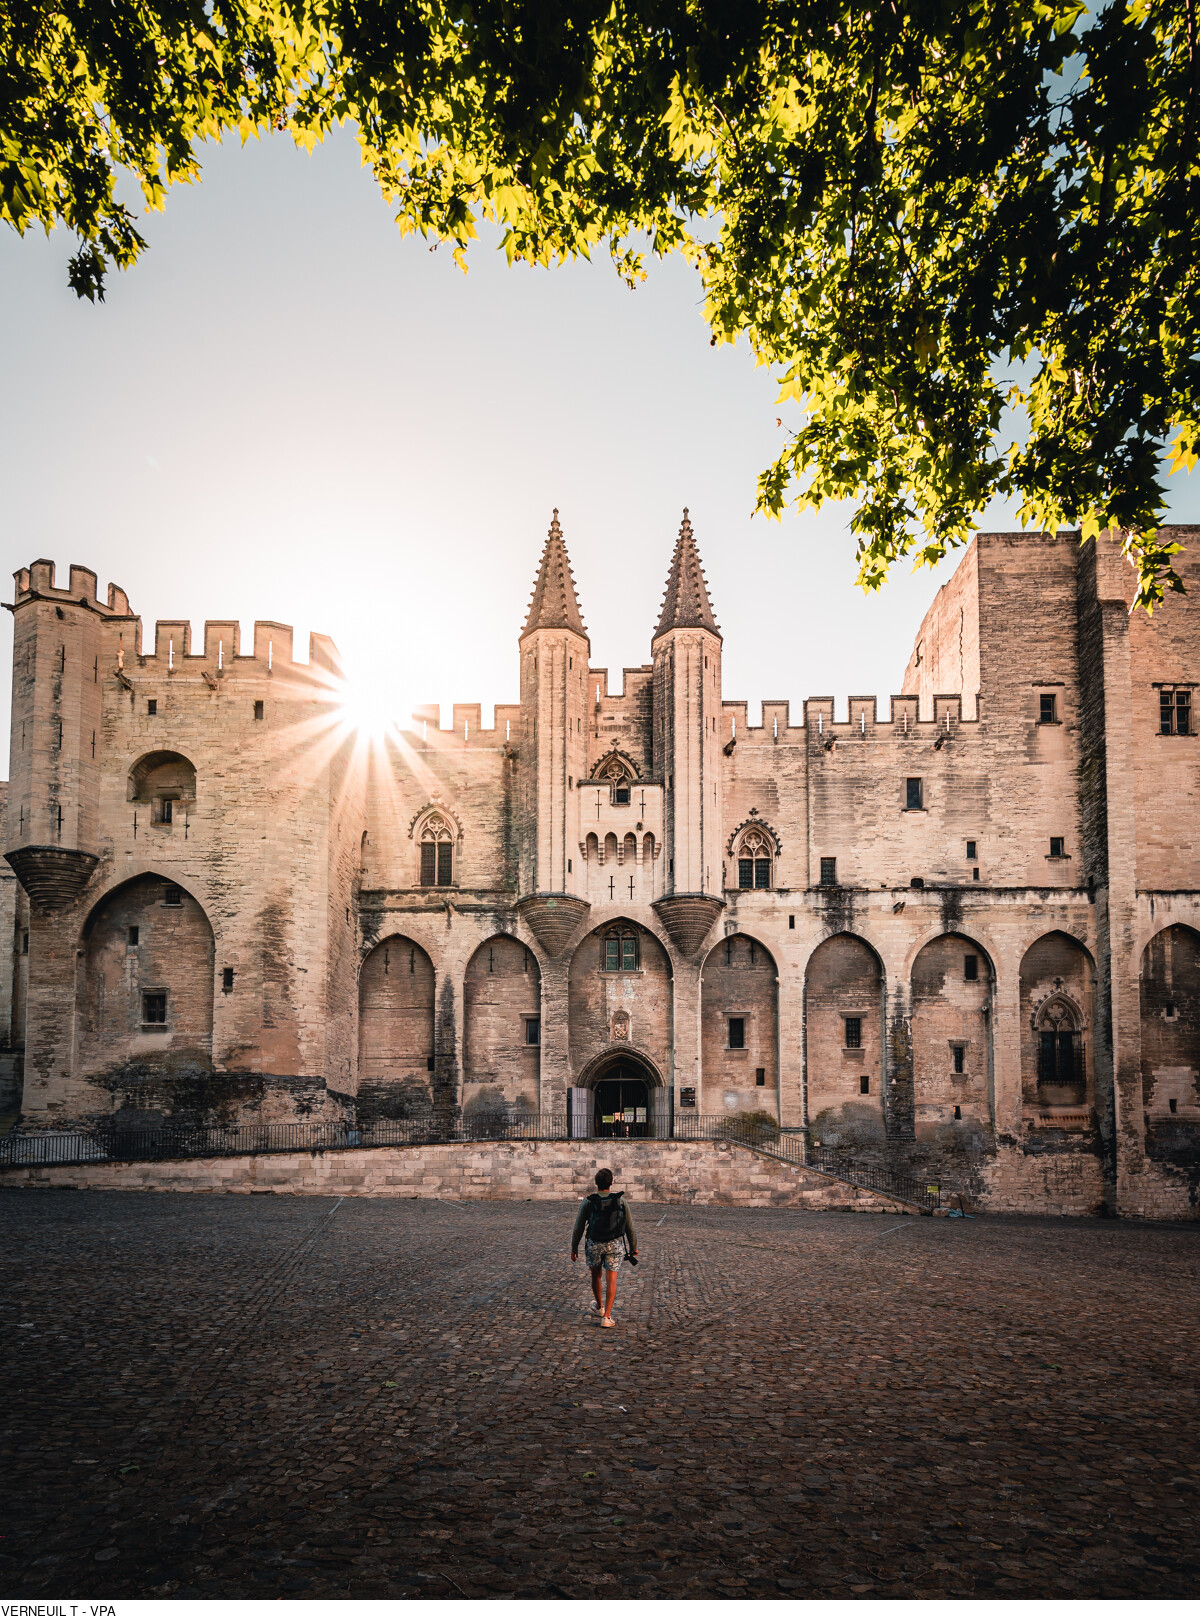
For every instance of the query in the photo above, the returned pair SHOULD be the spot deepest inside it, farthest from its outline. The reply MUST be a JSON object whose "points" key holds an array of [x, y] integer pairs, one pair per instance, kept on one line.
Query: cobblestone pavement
{"points": [[261, 1396]]}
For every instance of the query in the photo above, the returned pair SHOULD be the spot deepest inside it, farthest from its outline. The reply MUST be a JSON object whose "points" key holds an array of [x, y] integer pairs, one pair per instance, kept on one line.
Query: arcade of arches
{"points": [[620, 1014]]}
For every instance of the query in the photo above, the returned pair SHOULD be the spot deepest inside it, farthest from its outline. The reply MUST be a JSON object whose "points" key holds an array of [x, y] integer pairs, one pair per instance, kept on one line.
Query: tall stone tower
{"points": [[687, 746], [555, 652], [63, 651]]}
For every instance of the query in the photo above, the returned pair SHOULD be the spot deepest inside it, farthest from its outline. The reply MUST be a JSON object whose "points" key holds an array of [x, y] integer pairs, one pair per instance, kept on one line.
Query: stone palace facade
{"points": [[967, 934]]}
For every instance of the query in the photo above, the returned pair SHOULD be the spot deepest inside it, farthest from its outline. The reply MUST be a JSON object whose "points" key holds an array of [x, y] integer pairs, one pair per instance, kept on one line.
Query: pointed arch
{"points": [[396, 1029], [951, 982], [1057, 1015], [144, 990], [1170, 1004], [844, 1040], [619, 994], [502, 1027], [739, 1027]]}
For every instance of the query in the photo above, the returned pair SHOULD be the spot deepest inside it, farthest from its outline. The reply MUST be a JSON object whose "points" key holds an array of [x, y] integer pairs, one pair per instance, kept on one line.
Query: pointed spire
{"points": [[686, 604], [555, 604]]}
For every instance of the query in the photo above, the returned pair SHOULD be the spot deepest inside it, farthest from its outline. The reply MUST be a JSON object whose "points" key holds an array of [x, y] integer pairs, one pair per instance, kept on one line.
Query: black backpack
{"points": [[606, 1220]]}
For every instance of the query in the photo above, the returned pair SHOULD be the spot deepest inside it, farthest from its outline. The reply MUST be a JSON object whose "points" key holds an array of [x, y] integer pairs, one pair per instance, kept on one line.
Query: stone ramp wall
{"points": [[705, 1172]]}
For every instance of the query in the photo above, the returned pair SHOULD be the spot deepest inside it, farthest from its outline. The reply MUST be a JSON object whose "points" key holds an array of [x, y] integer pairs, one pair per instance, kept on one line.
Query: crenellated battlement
{"points": [[222, 649], [466, 726], [863, 720], [37, 581], [272, 649]]}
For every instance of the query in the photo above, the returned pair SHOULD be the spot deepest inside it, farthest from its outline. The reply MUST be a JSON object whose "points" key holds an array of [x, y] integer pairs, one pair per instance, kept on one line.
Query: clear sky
{"points": [[287, 411]]}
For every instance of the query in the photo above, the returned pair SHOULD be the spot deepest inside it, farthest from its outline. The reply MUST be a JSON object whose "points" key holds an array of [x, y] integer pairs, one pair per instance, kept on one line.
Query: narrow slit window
{"points": [[853, 1033], [227, 980], [913, 793]]}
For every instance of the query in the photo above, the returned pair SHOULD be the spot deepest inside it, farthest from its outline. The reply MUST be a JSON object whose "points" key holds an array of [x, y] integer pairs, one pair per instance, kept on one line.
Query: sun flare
{"points": [[371, 713]]}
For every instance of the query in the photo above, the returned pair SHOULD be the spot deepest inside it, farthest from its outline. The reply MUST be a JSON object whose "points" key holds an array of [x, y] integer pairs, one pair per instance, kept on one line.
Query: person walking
{"points": [[606, 1218]]}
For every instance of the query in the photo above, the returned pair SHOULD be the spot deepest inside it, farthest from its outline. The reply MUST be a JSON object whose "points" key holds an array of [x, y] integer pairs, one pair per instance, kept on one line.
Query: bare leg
{"points": [[610, 1289], [596, 1274]]}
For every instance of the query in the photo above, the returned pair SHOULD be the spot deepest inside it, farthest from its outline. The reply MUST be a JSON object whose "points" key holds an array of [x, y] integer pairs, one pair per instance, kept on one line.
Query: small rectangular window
{"points": [[133, 935], [1175, 712], [970, 967], [152, 705], [227, 980], [913, 794], [620, 794], [430, 1064], [629, 955], [762, 873], [1048, 704], [258, 710], [154, 1008], [864, 1085], [959, 1054], [1057, 848], [533, 1030], [971, 854], [975, 874], [828, 872], [737, 1033], [166, 815], [444, 862], [853, 1033], [760, 1075], [172, 896], [428, 865], [792, 923], [745, 873]]}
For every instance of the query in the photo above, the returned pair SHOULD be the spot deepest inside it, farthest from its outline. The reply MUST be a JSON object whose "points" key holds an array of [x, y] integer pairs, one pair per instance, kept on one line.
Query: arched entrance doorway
{"points": [[621, 1104]]}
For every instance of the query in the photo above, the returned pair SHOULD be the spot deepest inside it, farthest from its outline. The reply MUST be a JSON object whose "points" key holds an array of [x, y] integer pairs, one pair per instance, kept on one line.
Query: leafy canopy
{"points": [[918, 212]]}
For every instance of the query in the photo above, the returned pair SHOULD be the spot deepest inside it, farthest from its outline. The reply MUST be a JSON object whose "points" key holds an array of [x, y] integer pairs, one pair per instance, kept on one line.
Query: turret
{"points": [[555, 654], [687, 746], [64, 648]]}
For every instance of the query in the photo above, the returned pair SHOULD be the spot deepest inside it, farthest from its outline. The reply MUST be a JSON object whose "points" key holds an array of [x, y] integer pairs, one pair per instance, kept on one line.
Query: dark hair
{"points": [[604, 1179]]}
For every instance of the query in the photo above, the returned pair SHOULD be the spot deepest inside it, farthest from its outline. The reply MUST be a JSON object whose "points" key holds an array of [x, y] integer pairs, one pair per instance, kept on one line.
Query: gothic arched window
{"points": [[755, 852], [437, 852], [616, 773], [1059, 1045]]}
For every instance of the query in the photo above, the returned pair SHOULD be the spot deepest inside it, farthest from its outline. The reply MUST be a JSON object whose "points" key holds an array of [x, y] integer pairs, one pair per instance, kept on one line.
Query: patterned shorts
{"points": [[604, 1255]]}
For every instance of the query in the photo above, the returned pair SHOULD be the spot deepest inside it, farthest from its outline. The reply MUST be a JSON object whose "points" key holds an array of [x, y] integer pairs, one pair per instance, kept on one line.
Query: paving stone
{"points": [[214, 1397]]}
